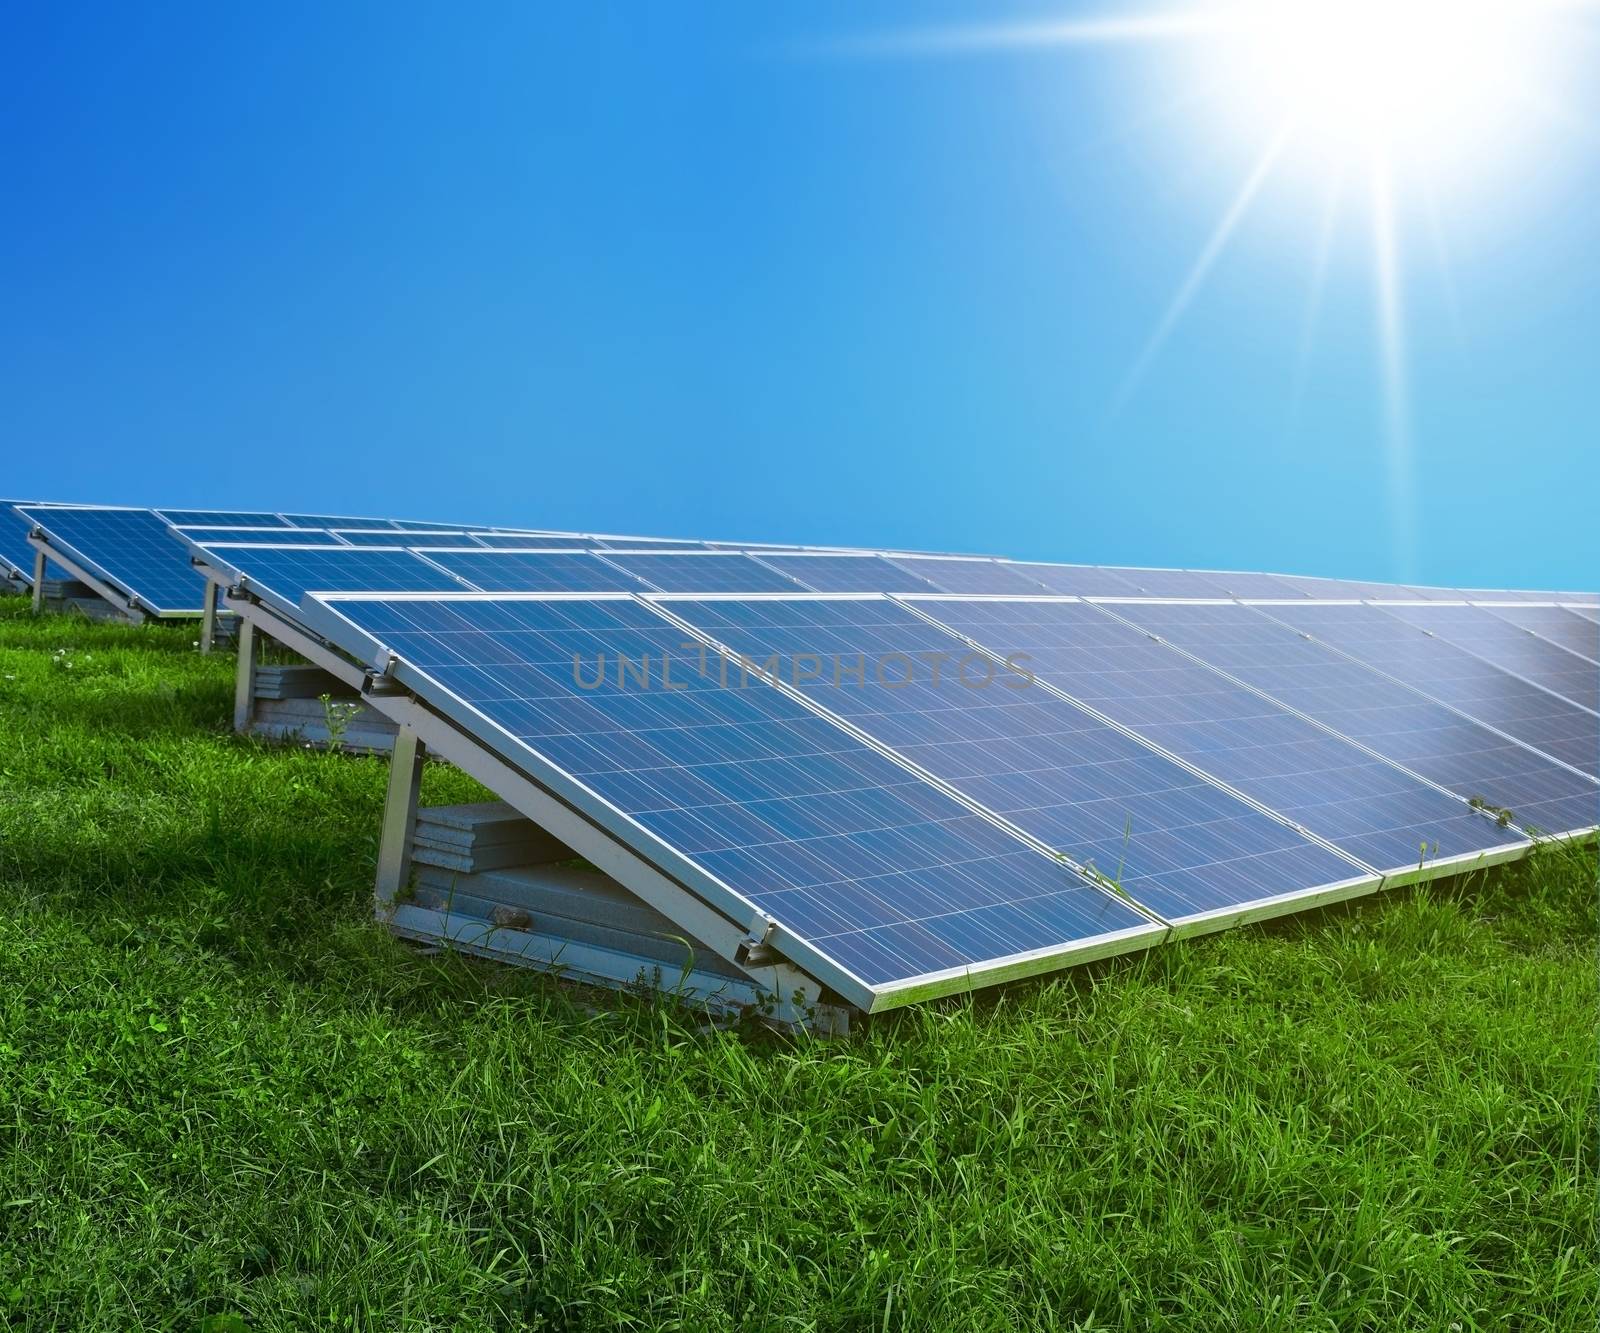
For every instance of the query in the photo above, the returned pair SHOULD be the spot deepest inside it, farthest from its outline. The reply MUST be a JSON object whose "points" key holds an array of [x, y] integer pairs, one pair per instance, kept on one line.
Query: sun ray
{"points": [[1158, 26], [1201, 269], [1392, 368], [1314, 298]]}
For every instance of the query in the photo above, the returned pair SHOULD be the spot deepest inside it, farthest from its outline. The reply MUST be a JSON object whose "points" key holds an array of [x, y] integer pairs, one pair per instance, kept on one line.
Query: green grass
{"points": [[224, 1091]]}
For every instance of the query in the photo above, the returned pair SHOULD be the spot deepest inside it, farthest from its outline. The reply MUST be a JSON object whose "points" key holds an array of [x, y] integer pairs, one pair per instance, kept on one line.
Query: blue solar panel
{"points": [[415, 525], [1356, 701], [1574, 632], [1365, 806], [294, 536], [16, 555], [1455, 677], [521, 541], [1347, 589], [848, 573], [975, 576], [1241, 583], [642, 543], [535, 571], [1587, 612], [1504, 645], [221, 518], [1078, 580], [132, 548], [372, 537], [688, 571], [331, 521], [1178, 844], [285, 574], [873, 868], [1172, 582]]}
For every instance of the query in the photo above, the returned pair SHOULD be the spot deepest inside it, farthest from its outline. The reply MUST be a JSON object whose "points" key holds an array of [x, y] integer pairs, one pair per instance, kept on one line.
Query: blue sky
{"points": [[701, 270]]}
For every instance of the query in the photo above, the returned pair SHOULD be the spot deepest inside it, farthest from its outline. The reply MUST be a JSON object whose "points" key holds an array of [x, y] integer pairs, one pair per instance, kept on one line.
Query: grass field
{"points": [[223, 1091]]}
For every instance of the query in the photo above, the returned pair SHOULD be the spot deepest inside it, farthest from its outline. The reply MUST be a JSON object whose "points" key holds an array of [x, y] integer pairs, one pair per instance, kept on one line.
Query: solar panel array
{"points": [[934, 771]]}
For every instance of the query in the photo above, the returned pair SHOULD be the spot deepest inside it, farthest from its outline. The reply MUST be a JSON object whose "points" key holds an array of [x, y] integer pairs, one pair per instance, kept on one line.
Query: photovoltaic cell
{"points": [[1078, 580], [1504, 645], [1354, 589], [848, 573], [1178, 844], [1455, 677], [1573, 631], [876, 870], [220, 518], [1239, 583], [287, 573], [16, 554], [414, 525], [1587, 612], [368, 537], [339, 521], [640, 543], [535, 571], [689, 571], [1325, 784], [132, 548], [974, 576], [286, 536], [1171, 582], [1397, 722], [522, 541]]}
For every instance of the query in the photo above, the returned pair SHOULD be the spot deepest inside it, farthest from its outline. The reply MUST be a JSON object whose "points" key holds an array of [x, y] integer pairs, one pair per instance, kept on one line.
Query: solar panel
{"points": [[1078, 580], [847, 573], [534, 571], [332, 521], [974, 576], [694, 571], [16, 555], [886, 883], [221, 518], [641, 543], [1573, 631], [1396, 721], [1366, 807], [413, 525], [522, 541], [294, 536], [1587, 612], [1347, 589], [1170, 582], [1513, 649], [1455, 677], [1176, 843], [1240, 583], [282, 575], [131, 548], [411, 537]]}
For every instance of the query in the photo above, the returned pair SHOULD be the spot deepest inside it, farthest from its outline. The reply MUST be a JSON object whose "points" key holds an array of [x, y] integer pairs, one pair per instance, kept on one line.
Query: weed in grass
{"points": [[225, 1092]]}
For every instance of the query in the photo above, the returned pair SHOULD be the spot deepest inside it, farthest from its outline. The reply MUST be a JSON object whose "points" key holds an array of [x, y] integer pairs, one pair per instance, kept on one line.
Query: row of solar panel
{"points": [[1080, 776], [139, 551], [1134, 767]]}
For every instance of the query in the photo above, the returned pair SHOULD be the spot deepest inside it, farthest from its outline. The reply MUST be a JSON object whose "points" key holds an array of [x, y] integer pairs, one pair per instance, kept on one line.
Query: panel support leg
{"points": [[244, 685], [399, 818], [38, 581], [208, 620]]}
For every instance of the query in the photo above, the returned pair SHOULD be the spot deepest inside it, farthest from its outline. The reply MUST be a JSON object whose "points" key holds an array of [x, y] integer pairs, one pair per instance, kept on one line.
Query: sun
{"points": [[1441, 87]]}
